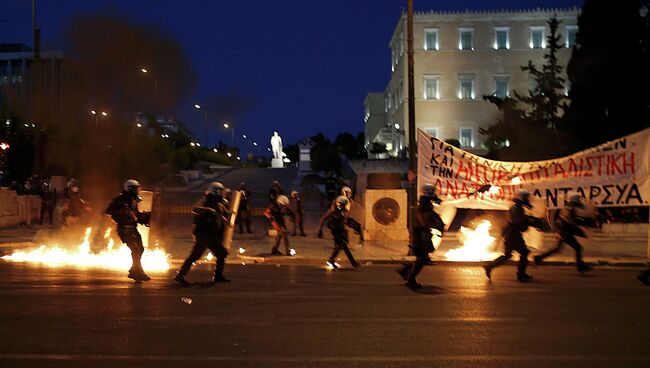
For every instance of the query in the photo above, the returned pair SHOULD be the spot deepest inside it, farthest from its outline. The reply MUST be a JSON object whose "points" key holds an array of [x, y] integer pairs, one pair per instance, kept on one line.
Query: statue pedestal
{"points": [[276, 163]]}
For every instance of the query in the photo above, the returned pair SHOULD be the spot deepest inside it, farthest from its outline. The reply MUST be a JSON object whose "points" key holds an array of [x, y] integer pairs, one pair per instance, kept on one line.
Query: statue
{"points": [[276, 145]]}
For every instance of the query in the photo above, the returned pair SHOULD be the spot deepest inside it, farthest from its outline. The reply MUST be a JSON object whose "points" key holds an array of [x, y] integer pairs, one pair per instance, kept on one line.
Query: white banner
{"points": [[612, 174]]}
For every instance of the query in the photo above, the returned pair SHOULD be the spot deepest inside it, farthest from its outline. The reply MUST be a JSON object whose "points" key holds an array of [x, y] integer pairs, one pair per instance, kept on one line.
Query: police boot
{"points": [[488, 271], [219, 278], [412, 284], [538, 260], [644, 277], [180, 279], [523, 277], [138, 274], [583, 267]]}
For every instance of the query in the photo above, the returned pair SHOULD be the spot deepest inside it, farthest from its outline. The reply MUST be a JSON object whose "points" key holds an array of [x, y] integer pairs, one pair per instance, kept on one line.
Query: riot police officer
{"points": [[518, 222], [48, 202], [299, 212], [275, 212], [567, 223], [244, 214], [337, 220], [124, 211], [426, 219], [210, 221]]}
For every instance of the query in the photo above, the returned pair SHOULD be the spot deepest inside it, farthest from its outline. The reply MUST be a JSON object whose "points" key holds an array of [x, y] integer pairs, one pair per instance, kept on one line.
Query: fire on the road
{"points": [[153, 259], [477, 244]]}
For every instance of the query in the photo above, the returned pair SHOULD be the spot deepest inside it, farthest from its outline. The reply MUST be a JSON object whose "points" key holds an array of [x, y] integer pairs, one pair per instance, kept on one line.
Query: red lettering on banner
{"points": [[589, 167], [452, 189], [631, 163], [573, 168], [559, 170], [612, 164]]}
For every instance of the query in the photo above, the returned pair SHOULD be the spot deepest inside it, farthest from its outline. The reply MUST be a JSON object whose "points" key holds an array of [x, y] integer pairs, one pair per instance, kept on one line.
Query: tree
{"points": [[609, 73], [377, 148], [349, 145], [528, 127]]}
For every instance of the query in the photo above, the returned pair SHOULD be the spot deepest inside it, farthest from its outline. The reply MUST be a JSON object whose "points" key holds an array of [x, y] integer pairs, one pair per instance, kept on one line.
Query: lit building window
{"points": [[466, 88], [431, 91], [466, 39], [501, 86], [466, 137], [571, 32], [537, 38], [501, 38], [432, 132], [401, 44], [431, 39]]}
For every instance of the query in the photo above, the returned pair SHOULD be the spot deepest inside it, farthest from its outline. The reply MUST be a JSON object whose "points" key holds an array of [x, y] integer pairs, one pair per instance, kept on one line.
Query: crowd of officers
{"points": [[212, 215]]}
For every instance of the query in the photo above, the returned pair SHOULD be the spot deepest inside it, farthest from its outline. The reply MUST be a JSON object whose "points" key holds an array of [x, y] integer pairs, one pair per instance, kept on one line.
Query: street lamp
{"points": [[232, 133], [205, 122], [96, 114], [155, 84]]}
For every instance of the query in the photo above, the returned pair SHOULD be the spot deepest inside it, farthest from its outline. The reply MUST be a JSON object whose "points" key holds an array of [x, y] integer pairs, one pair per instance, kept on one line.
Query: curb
{"points": [[8, 248]]}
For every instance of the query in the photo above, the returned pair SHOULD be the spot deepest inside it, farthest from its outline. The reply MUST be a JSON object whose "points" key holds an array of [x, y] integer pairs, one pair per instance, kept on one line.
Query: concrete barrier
{"points": [[623, 228], [17, 210]]}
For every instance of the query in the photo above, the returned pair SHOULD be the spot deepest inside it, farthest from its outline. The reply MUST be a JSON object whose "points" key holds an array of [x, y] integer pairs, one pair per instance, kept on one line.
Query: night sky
{"points": [[306, 64]]}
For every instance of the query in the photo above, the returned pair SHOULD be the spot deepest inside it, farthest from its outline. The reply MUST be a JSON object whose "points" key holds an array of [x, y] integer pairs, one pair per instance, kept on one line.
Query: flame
{"points": [[292, 252], [477, 244], [331, 266], [516, 180], [242, 250], [209, 257], [153, 259]]}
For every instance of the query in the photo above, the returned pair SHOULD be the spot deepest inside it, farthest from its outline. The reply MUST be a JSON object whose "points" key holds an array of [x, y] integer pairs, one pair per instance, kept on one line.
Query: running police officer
{"points": [[567, 223], [518, 222], [337, 220], [124, 211], [210, 221], [426, 219]]}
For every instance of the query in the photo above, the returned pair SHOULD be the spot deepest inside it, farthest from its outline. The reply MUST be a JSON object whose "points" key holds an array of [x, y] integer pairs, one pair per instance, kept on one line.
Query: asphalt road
{"points": [[305, 316]]}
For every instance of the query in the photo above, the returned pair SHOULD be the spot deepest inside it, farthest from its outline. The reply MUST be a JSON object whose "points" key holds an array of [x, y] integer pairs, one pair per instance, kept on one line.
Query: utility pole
{"points": [[413, 152]]}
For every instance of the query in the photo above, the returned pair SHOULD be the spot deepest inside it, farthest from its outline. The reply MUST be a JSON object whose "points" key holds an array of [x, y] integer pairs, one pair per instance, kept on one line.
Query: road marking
{"points": [[408, 320], [328, 359]]}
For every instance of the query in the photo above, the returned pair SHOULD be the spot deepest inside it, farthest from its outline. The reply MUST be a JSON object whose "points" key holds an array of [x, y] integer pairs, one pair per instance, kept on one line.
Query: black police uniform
{"points": [[300, 215], [567, 222], [210, 215], [275, 192], [276, 213], [425, 220], [244, 215], [514, 241], [124, 211], [48, 202], [337, 220]]}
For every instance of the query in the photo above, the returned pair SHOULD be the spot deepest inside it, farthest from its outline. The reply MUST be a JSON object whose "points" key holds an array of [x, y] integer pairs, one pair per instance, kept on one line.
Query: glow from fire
{"points": [[292, 252], [477, 245], [153, 259], [242, 250]]}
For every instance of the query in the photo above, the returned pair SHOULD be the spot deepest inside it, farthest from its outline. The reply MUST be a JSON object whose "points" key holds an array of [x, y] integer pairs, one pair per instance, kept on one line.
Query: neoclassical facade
{"points": [[459, 57]]}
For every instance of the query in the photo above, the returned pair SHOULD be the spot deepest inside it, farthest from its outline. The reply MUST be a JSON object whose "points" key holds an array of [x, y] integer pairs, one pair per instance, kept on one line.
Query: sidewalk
{"points": [[311, 250]]}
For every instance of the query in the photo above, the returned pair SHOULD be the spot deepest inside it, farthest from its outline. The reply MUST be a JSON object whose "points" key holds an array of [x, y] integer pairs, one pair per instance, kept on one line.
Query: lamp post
{"points": [[155, 84], [96, 114], [413, 159], [232, 133], [205, 123]]}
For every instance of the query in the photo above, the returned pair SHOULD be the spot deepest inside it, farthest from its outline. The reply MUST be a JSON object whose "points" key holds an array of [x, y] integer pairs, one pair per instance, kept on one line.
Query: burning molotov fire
{"points": [[477, 244], [153, 259]]}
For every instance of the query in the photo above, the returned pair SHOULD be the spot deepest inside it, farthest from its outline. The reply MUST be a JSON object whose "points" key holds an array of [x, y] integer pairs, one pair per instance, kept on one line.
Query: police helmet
{"points": [[282, 200], [294, 194], [428, 190], [523, 196], [215, 188], [131, 186], [346, 191], [342, 203]]}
